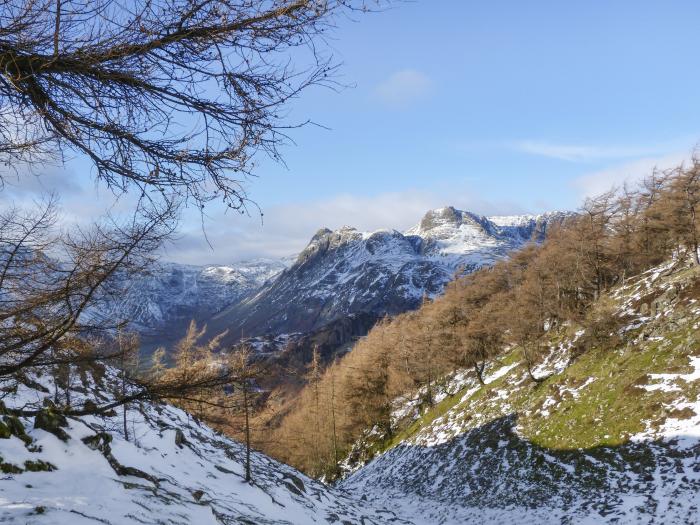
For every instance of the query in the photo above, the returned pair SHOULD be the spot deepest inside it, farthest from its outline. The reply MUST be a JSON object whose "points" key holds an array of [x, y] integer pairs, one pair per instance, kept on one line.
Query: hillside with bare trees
{"points": [[519, 307], [503, 360]]}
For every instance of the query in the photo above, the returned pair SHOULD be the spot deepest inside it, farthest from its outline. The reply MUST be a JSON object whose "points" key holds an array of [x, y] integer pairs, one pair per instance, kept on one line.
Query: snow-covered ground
{"points": [[453, 472], [171, 470]]}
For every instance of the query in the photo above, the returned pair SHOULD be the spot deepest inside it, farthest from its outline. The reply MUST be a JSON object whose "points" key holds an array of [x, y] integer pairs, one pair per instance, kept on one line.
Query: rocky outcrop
{"points": [[53, 422]]}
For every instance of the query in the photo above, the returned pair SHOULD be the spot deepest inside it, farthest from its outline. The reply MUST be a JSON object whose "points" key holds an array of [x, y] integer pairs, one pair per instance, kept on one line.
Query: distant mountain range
{"points": [[340, 273], [346, 271], [161, 304]]}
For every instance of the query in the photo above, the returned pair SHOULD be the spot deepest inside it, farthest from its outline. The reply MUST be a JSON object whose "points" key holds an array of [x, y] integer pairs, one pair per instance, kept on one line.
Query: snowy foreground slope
{"points": [[172, 470], [611, 436]]}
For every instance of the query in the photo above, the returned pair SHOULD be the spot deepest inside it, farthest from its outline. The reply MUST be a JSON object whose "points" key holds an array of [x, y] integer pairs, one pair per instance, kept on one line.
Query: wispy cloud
{"points": [[403, 88], [584, 153], [598, 182], [579, 153]]}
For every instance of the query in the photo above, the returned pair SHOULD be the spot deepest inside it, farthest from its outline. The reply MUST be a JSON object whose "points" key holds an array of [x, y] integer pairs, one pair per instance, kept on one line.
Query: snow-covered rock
{"points": [[382, 272], [162, 302]]}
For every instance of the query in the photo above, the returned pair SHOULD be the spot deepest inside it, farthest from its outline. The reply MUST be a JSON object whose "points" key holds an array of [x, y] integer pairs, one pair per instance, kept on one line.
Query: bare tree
{"points": [[175, 96], [51, 284], [128, 353], [244, 394], [596, 218], [683, 207]]}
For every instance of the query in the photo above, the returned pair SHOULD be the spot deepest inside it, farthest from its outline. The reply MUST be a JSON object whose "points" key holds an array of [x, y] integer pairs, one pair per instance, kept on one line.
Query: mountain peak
{"points": [[445, 222], [347, 271], [439, 217], [320, 234]]}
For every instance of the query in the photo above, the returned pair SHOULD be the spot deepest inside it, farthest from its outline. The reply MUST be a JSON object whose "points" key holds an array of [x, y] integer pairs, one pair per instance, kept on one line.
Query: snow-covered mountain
{"points": [[383, 272], [161, 303]]}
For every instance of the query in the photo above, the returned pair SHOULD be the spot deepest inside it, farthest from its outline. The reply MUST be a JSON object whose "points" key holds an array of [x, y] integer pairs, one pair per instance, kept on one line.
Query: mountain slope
{"points": [[172, 470], [162, 303], [384, 272], [611, 435]]}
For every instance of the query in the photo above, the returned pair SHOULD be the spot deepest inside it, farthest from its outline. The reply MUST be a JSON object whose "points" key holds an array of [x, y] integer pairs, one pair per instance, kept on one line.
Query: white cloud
{"points": [[403, 88], [288, 228], [583, 153], [598, 182]]}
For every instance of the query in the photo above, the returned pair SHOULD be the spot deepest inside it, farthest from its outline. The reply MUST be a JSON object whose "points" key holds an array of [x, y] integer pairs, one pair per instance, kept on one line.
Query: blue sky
{"points": [[497, 107]]}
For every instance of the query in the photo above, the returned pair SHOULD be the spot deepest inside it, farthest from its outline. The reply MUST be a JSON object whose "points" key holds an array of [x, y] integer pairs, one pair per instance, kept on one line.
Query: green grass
{"points": [[613, 407], [604, 413]]}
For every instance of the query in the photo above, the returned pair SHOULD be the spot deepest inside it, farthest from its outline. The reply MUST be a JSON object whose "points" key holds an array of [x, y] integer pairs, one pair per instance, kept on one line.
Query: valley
{"points": [[340, 275]]}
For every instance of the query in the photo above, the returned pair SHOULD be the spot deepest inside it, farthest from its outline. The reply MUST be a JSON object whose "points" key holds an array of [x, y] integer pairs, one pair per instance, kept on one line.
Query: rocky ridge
{"points": [[380, 273]]}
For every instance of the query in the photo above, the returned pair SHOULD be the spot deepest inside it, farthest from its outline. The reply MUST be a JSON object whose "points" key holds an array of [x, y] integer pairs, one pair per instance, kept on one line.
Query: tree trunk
{"points": [[479, 369], [122, 353], [124, 406], [532, 375], [68, 382], [335, 435], [529, 365], [248, 476], [126, 429], [693, 228], [430, 390]]}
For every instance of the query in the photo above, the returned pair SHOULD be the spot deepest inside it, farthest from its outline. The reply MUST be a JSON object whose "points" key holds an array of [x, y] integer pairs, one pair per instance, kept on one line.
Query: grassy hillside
{"points": [[610, 434]]}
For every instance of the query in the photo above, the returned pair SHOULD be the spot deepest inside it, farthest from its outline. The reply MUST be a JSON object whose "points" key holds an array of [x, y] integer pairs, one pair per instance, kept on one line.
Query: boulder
{"points": [[16, 428], [180, 438], [52, 422]]}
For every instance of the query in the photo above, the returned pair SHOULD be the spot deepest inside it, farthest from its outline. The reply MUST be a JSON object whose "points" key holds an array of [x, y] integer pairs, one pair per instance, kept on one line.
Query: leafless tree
{"points": [[175, 96], [51, 283]]}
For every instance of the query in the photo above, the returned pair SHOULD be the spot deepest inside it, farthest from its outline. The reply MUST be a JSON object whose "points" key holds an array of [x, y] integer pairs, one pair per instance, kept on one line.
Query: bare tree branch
{"points": [[175, 96]]}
